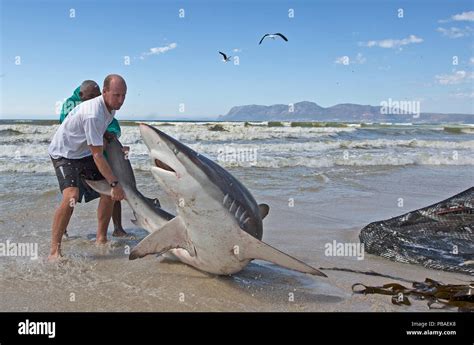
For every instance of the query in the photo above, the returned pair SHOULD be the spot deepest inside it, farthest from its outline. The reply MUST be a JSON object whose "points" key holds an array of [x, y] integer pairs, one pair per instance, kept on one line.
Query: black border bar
{"points": [[242, 328]]}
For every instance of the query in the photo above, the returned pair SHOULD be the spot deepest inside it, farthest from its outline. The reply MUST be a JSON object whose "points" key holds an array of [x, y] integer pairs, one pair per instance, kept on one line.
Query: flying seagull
{"points": [[273, 36], [225, 58]]}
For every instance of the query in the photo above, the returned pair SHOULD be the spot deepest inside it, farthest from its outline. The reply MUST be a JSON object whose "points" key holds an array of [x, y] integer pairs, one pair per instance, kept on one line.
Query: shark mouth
{"points": [[163, 166]]}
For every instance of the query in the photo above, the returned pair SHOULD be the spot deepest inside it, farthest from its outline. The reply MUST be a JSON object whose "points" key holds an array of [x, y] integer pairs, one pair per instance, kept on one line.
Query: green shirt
{"points": [[74, 101]]}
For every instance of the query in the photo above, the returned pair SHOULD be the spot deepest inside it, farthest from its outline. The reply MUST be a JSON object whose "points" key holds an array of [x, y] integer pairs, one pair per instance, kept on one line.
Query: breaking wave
{"points": [[24, 147]]}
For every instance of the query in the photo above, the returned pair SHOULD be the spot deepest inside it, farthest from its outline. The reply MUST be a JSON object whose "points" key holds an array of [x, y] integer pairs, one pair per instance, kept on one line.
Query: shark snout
{"points": [[150, 136], [162, 151], [157, 140]]}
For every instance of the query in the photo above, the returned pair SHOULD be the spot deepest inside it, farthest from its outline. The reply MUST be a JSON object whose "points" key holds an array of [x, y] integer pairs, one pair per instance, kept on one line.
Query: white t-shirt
{"points": [[85, 125]]}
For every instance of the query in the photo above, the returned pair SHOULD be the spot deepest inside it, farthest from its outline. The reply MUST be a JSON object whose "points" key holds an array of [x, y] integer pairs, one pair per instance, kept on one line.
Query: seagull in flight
{"points": [[225, 58], [273, 36]]}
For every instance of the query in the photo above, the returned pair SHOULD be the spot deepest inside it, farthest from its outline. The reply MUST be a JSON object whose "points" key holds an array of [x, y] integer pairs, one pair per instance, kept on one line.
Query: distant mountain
{"points": [[347, 112]]}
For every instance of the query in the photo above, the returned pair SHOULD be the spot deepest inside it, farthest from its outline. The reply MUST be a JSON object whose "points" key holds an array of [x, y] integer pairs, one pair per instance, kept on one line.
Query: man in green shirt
{"points": [[88, 90]]}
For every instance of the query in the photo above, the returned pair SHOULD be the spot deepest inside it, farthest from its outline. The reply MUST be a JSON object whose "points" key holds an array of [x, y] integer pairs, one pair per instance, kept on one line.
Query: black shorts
{"points": [[73, 172]]}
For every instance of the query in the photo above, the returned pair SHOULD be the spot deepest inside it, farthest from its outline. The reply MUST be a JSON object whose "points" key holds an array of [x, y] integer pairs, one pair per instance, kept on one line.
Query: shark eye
{"points": [[163, 166], [175, 150]]}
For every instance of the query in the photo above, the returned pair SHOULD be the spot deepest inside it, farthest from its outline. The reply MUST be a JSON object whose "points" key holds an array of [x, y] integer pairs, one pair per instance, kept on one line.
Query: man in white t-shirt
{"points": [[77, 153]]}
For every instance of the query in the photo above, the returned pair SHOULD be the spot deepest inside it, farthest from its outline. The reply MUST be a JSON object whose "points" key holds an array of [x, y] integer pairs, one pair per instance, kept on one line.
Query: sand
{"points": [[103, 279]]}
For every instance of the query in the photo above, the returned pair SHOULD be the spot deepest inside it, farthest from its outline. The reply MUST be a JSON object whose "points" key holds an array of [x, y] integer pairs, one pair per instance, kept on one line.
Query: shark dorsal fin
{"points": [[264, 209]]}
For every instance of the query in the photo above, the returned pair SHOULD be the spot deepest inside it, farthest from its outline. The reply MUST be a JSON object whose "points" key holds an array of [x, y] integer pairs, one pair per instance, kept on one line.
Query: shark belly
{"points": [[215, 236]]}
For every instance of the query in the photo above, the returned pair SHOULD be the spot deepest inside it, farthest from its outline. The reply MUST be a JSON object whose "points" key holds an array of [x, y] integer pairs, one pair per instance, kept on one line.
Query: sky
{"points": [[340, 51]]}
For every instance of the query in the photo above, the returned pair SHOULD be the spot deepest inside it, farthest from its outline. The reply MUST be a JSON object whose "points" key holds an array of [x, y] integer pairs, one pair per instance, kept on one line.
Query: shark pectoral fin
{"points": [[171, 235], [264, 209], [100, 186], [256, 249]]}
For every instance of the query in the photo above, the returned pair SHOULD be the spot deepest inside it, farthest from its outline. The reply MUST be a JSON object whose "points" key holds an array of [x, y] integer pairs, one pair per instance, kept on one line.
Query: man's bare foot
{"points": [[54, 257], [100, 241], [119, 233]]}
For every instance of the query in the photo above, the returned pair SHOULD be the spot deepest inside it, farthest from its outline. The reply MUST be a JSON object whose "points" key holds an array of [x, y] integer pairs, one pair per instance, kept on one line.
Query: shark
{"points": [[218, 226]]}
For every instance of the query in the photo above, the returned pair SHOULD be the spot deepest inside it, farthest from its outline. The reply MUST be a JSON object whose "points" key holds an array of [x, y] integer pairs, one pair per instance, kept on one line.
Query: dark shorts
{"points": [[73, 172]]}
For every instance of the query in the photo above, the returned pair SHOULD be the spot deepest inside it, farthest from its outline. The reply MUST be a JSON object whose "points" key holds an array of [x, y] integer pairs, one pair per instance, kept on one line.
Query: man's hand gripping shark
{"points": [[218, 227]]}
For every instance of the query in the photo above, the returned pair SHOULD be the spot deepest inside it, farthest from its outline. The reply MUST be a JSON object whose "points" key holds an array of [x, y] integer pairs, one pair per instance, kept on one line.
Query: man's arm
{"points": [[106, 171], [102, 164], [95, 140]]}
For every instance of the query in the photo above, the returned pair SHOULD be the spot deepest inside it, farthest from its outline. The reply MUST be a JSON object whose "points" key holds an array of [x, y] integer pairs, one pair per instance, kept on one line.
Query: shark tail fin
{"points": [[256, 249]]}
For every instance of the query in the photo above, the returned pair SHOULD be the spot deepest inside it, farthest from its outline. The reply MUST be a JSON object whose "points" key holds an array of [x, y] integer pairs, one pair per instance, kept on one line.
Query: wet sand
{"points": [[103, 279]]}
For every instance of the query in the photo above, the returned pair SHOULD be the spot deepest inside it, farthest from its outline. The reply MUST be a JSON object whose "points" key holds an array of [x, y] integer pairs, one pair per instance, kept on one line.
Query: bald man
{"points": [[76, 151], [87, 90]]}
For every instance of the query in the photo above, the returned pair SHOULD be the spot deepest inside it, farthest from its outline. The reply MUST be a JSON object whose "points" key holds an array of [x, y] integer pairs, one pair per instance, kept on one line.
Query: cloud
{"points": [[457, 77], [469, 16], [159, 50], [471, 61], [392, 43], [453, 32], [465, 16], [360, 58], [342, 60], [346, 60], [463, 95], [237, 50]]}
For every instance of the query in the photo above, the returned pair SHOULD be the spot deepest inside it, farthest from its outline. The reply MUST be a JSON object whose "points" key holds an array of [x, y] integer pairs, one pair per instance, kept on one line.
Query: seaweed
{"points": [[217, 128], [437, 294]]}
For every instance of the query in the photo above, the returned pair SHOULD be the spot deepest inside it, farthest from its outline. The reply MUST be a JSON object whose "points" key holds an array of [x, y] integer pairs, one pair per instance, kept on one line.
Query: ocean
{"points": [[323, 184]]}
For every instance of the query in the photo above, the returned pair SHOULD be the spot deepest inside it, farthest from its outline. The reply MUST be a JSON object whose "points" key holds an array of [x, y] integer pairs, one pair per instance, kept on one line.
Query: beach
{"points": [[323, 184]]}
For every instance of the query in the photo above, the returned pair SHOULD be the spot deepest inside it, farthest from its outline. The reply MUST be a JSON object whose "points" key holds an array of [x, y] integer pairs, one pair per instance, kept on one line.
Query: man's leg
{"points": [[104, 213], [61, 219], [66, 235], [117, 219]]}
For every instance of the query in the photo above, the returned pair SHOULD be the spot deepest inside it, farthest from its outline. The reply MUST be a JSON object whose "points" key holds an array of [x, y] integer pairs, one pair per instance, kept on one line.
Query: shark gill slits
{"points": [[163, 166], [246, 220], [242, 217], [233, 206], [237, 212], [226, 197]]}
